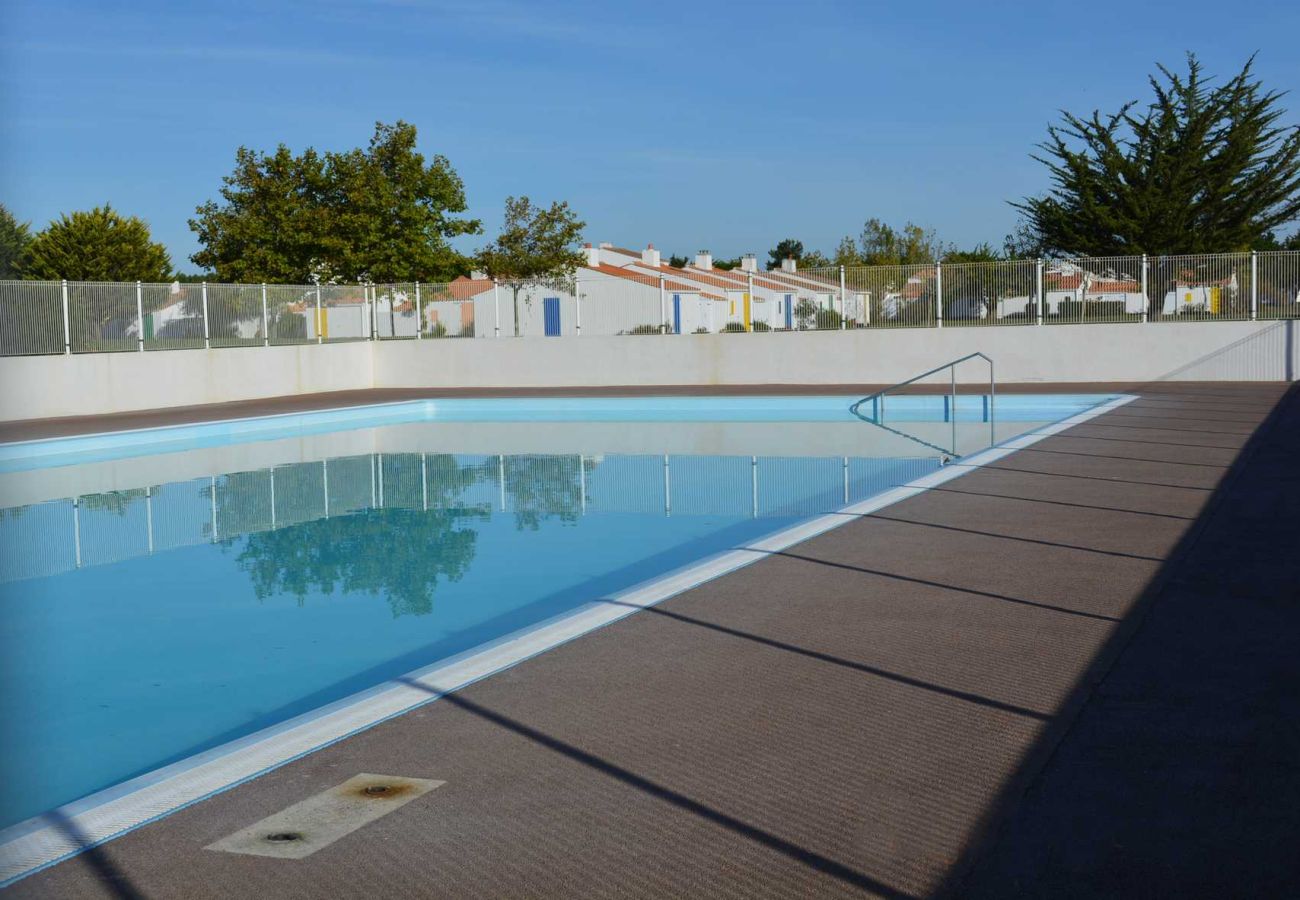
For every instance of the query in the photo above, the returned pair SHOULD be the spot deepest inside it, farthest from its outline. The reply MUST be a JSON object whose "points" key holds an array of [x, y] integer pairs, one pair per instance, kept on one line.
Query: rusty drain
{"points": [[283, 837], [375, 790]]}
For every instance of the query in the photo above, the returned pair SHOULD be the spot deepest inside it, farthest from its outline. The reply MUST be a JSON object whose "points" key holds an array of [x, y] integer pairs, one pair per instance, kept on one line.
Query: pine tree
{"points": [[1200, 169]]}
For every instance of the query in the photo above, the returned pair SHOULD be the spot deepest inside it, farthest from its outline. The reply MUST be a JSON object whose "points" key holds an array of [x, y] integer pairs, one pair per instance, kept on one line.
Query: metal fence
{"points": [[628, 298]]}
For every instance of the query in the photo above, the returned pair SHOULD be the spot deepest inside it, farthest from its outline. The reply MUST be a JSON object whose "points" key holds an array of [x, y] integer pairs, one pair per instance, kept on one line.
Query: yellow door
{"points": [[322, 324], [747, 312], [1216, 298]]}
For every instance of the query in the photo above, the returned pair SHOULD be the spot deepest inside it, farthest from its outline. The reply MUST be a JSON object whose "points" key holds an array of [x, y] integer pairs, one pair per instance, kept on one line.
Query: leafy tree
{"points": [[882, 245], [678, 262], [1022, 243], [846, 253], [14, 238], [786, 249], [814, 259], [983, 252], [378, 214], [1199, 169], [536, 247], [96, 245], [727, 265]]}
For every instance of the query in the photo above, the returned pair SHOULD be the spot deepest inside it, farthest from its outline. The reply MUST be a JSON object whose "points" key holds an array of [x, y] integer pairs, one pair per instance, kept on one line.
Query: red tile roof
{"points": [[464, 288], [648, 281]]}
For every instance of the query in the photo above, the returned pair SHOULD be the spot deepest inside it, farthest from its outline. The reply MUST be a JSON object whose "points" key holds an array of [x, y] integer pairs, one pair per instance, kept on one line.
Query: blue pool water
{"points": [[146, 617]]}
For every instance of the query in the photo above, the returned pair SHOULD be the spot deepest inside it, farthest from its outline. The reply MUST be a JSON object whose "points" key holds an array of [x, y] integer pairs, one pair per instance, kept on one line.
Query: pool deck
{"points": [[1070, 673]]}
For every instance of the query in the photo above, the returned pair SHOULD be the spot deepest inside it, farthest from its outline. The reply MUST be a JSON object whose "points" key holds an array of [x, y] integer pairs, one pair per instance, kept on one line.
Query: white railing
{"points": [[52, 317]]}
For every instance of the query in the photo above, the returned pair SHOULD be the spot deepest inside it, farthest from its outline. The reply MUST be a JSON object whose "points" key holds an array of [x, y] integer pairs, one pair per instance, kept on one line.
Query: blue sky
{"points": [[725, 125]]}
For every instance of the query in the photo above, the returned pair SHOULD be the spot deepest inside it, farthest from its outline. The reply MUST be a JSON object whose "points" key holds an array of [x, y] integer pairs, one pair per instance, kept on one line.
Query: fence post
{"points": [[139, 314], [1040, 301], [938, 295], [266, 327], [320, 319], [67, 324], [419, 315], [207, 329], [844, 310], [496, 307], [374, 312], [1254, 285], [1146, 298], [577, 303], [663, 307]]}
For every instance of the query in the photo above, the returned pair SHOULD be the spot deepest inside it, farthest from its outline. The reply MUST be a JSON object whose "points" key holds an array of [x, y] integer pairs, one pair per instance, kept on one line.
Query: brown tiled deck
{"points": [[1072, 673]]}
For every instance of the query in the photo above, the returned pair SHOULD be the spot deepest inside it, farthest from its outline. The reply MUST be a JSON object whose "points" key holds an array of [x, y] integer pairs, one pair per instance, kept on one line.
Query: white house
{"points": [[1187, 296]]}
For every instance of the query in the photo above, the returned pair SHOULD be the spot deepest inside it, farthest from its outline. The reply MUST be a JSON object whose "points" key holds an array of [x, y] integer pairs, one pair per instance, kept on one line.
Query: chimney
{"points": [[704, 260], [788, 264], [650, 256], [749, 263], [593, 255]]}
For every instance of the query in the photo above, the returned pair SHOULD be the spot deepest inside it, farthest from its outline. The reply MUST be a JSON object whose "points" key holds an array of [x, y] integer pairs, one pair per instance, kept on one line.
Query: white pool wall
{"points": [[94, 384]]}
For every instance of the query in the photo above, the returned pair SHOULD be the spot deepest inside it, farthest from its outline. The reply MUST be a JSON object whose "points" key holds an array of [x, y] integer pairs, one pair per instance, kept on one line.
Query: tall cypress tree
{"points": [[1200, 169]]}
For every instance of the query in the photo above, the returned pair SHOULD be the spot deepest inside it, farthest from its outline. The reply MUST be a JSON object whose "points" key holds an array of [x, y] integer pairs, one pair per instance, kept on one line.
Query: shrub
{"points": [[734, 327], [760, 326], [466, 330], [437, 330], [288, 327], [701, 330], [827, 320], [1100, 309], [645, 329]]}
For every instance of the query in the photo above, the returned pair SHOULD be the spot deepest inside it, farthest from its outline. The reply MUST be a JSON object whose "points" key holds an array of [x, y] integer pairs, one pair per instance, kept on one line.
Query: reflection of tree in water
{"points": [[115, 502], [542, 487], [399, 553]]}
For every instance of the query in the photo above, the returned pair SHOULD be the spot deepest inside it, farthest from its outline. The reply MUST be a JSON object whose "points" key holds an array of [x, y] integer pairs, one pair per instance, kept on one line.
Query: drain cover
{"points": [[320, 820]]}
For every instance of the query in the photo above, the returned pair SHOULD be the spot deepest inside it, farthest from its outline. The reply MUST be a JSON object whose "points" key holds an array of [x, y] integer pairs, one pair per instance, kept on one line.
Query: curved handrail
{"points": [[952, 367]]}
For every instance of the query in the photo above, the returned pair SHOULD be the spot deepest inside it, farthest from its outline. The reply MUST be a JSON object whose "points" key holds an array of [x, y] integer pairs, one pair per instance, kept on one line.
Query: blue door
{"points": [[677, 313], [789, 311], [551, 316]]}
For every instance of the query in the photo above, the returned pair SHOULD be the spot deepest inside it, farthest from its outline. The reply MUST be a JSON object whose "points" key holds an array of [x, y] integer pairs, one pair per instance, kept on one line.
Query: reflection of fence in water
{"points": [[49, 538]]}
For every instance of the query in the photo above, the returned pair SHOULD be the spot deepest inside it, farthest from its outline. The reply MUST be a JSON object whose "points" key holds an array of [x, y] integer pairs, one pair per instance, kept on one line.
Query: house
{"points": [[1186, 295], [458, 309], [1070, 283], [730, 306], [640, 296]]}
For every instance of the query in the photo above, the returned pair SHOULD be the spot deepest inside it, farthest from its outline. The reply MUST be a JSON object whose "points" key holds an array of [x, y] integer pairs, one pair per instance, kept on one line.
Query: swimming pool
{"points": [[172, 597]]}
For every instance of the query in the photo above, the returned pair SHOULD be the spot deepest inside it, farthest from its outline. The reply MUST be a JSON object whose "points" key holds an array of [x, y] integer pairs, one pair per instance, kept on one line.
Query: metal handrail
{"points": [[879, 417]]}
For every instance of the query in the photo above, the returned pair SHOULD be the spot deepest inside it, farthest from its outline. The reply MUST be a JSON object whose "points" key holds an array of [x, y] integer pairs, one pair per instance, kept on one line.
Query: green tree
{"points": [[96, 245], [982, 252], [14, 238], [678, 262], [379, 214], [536, 247], [727, 265], [882, 245], [846, 253], [815, 259], [1199, 169], [786, 249]]}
